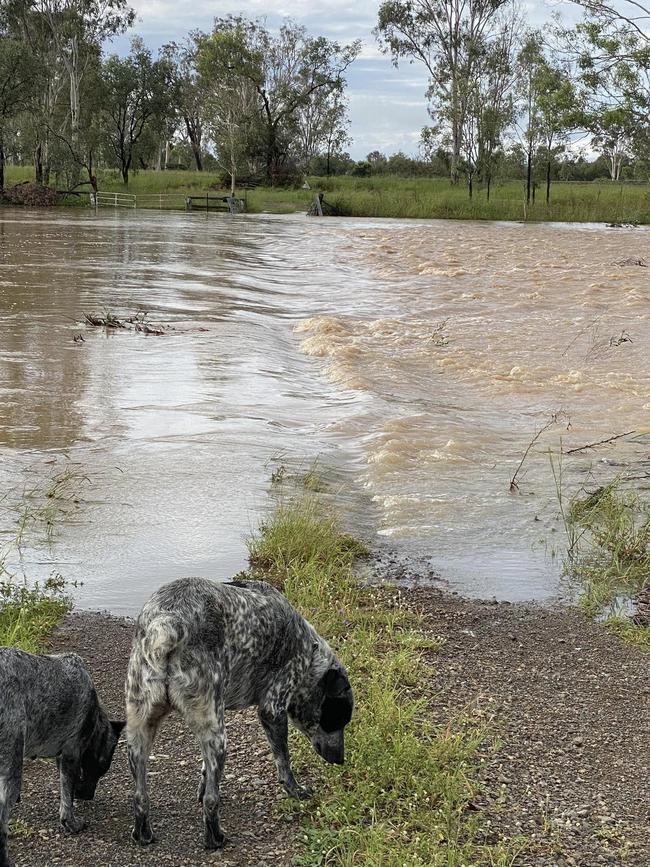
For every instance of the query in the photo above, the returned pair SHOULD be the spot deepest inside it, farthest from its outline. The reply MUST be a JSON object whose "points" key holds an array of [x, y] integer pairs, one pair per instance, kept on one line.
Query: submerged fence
{"points": [[168, 201]]}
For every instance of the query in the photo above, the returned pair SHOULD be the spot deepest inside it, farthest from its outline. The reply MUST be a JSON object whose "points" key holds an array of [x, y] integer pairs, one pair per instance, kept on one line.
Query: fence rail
{"points": [[169, 201], [116, 200]]}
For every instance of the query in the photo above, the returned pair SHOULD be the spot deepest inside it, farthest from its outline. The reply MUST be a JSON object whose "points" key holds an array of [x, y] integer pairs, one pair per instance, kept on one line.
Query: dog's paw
{"points": [[142, 833], [143, 839], [214, 839], [73, 825], [300, 793]]}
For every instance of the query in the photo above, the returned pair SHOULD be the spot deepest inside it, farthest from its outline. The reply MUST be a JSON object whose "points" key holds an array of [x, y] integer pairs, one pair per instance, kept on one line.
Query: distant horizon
{"points": [[388, 107]]}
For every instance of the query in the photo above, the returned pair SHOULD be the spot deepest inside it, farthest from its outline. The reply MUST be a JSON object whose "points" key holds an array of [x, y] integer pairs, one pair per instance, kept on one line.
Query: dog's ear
{"points": [[117, 726], [336, 683]]}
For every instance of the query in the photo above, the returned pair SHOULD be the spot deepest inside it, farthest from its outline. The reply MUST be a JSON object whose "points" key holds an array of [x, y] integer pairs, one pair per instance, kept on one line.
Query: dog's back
{"points": [[45, 698], [195, 634]]}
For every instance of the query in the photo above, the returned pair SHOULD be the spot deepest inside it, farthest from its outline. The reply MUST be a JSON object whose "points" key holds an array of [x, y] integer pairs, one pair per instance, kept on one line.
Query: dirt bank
{"points": [[569, 701]]}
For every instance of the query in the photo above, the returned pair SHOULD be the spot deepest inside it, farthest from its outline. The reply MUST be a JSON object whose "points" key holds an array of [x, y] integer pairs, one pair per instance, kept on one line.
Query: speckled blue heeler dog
{"points": [[202, 648], [49, 707]]}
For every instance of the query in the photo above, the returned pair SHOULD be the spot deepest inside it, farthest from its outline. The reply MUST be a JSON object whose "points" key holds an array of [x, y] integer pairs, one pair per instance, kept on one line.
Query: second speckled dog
{"points": [[202, 648]]}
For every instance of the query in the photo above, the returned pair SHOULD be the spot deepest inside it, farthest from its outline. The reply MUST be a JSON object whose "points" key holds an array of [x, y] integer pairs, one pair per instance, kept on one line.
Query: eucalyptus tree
{"points": [[493, 97], [22, 21], [558, 112], [135, 102], [322, 127], [189, 93], [78, 30], [448, 38], [530, 61], [18, 85], [612, 51], [285, 71]]}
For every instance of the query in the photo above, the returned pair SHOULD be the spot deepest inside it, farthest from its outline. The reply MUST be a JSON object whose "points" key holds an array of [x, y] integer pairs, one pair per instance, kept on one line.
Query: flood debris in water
{"points": [[556, 418], [599, 442], [137, 322], [631, 260]]}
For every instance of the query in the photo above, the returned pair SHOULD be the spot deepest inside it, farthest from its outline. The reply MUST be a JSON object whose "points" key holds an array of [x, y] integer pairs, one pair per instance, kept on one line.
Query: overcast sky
{"points": [[387, 105]]}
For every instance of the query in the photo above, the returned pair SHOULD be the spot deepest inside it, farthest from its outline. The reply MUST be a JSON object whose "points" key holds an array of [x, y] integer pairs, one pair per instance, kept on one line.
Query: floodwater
{"points": [[415, 360]]}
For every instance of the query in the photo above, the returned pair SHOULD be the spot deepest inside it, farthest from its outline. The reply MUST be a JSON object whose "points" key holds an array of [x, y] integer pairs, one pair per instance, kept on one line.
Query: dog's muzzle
{"points": [[85, 790], [333, 754]]}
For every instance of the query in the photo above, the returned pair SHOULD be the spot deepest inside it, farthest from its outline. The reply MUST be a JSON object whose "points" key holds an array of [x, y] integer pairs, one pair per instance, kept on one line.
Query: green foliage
{"points": [[28, 614], [135, 103], [611, 553], [263, 88], [403, 797], [638, 636]]}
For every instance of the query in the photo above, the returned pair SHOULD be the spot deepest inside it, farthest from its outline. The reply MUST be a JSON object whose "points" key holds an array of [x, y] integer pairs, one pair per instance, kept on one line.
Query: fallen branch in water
{"points": [[136, 323], [148, 329], [108, 321], [600, 442], [549, 424]]}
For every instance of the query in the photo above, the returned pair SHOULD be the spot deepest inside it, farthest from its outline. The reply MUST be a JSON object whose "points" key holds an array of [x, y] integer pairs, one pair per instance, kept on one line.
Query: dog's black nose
{"points": [[333, 756]]}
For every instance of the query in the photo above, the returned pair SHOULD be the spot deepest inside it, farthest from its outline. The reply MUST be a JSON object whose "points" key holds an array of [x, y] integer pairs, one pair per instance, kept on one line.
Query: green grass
{"points": [[611, 553], [28, 614], [609, 532], [29, 610], [404, 795], [391, 196]]}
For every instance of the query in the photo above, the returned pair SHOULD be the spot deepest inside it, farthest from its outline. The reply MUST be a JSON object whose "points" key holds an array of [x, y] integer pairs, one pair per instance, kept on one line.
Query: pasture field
{"points": [[392, 196]]}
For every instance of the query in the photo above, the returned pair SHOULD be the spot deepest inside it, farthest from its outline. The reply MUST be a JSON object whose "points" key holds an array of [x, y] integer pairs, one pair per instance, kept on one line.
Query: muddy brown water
{"points": [[414, 360]]}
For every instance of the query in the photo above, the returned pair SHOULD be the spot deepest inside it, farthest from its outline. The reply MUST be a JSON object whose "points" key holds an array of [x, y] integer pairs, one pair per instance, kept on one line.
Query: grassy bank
{"points": [[29, 610], [391, 196], [609, 556], [28, 614], [405, 795]]}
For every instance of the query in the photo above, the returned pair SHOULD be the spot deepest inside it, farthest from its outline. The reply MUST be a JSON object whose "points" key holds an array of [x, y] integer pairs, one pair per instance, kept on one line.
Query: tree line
{"points": [[258, 103], [499, 89], [270, 105]]}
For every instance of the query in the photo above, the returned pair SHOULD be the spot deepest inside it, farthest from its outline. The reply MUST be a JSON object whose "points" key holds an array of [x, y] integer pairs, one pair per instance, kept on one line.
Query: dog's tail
{"points": [[162, 635]]}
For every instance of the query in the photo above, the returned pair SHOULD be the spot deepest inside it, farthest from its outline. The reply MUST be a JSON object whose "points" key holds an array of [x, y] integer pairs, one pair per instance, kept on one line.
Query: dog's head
{"points": [[97, 757], [323, 713]]}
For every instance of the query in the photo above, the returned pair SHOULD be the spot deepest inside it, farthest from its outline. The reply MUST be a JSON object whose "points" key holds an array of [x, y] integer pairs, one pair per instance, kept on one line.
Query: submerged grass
{"points": [[405, 795], [611, 555], [30, 610], [609, 530]]}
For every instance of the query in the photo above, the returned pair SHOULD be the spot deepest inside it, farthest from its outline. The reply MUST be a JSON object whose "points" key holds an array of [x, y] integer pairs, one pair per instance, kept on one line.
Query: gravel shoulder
{"points": [[569, 702]]}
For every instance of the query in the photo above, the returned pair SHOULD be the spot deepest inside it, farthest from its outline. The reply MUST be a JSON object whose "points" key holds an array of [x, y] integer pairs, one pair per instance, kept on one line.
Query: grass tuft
{"points": [[405, 794], [28, 614], [611, 554]]}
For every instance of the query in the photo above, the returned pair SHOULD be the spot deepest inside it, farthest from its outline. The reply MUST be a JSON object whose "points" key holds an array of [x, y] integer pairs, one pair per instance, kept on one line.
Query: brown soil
{"points": [[570, 705], [569, 701]]}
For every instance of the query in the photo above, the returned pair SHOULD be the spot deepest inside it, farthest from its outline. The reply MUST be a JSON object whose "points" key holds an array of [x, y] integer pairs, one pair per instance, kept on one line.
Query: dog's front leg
{"points": [[276, 727], [68, 774]]}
